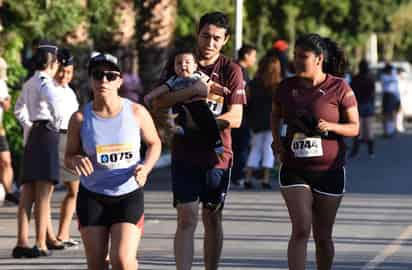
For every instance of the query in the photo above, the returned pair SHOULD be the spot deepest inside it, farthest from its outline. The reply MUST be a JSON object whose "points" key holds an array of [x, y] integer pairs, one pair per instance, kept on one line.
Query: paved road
{"points": [[373, 230]]}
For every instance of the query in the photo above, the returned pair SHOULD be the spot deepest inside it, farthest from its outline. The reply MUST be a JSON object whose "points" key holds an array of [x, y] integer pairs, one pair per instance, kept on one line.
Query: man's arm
{"points": [[198, 89], [153, 94], [233, 115]]}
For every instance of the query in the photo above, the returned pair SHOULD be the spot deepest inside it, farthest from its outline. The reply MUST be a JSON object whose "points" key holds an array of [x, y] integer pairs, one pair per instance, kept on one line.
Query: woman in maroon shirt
{"points": [[311, 113]]}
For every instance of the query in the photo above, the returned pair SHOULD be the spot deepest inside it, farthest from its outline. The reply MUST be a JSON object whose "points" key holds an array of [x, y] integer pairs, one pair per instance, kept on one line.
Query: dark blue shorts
{"points": [[191, 184]]}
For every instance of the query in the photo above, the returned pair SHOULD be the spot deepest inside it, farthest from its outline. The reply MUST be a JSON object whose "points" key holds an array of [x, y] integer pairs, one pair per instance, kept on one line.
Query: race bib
{"points": [[304, 147], [215, 103], [116, 156]]}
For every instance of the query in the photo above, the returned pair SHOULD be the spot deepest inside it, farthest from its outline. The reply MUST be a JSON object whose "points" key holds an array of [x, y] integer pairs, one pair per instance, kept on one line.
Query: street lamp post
{"points": [[238, 26]]}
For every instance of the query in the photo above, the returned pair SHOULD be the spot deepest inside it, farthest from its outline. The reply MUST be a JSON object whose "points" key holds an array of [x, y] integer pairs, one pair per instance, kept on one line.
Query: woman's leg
{"points": [[42, 196], [24, 213], [369, 135], [125, 238], [51, 239], [268, 159], [67, 209], [254, 158], [95, 240], [299, 201], [6, 171], [324, 214]]}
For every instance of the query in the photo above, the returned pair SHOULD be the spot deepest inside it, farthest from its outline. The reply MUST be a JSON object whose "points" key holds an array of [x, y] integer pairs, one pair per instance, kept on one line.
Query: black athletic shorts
{"points": [[95, 209], [191, 184], [330, 182]]}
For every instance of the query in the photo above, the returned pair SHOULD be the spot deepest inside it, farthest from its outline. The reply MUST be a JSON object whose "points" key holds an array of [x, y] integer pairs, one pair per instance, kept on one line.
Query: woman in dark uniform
{"points": [[37, 108], [311, 114]]}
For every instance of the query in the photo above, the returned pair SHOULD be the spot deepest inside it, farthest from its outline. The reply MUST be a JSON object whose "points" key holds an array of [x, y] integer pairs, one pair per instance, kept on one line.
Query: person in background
{"points": [[404, 84], [241, 135], [132, 87], [69, 178], [198, 174], [37, 110], [363, 85], [260, 93], [6, 169], [311, 114], [280, 49], [390, 99], [110, 202]]}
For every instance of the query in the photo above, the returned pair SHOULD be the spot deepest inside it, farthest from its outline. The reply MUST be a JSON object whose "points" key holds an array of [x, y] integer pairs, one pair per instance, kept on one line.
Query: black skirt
{"points": [[41, 154]]}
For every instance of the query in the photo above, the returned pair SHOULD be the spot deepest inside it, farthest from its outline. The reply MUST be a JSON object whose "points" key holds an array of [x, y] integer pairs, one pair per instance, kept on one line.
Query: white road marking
{"points": [[389, 249]]}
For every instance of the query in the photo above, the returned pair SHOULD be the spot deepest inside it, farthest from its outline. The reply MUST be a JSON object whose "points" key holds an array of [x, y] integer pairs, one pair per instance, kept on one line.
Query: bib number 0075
{"points": [[115, 157]]}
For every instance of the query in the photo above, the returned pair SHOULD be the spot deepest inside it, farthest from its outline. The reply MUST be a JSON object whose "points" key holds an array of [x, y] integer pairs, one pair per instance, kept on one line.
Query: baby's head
{"points": [[185, 63]]}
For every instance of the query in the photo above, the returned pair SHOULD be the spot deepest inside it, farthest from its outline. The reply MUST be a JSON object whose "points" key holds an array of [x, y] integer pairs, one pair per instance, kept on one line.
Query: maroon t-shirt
{"points": [[326, 101], [227, 73]]}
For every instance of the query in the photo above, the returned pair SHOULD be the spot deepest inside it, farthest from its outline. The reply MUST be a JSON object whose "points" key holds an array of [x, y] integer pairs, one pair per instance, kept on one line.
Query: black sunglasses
{"points": [[110, 75]]}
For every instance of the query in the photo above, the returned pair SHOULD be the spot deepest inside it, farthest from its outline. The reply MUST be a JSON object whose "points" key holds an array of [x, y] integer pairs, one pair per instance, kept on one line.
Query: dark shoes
{"points": [[57, 245], [25, 252], [248, 185], [42, 252], [266, 185], [11, 198]]}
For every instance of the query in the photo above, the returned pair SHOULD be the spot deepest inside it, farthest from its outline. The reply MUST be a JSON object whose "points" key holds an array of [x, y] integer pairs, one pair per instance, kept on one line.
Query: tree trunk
{"points": [[156, 34]]}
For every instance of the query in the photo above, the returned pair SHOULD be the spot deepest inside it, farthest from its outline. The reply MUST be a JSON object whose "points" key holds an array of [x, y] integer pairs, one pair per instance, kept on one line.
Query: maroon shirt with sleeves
{"points": [[327, 101], [227, 73]]}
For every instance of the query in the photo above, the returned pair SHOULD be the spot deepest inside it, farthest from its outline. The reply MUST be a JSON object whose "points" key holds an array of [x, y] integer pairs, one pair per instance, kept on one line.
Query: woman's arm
{"points": [[151, 138], [73, 158], [21, 112], [276, 116], [348, 129]]}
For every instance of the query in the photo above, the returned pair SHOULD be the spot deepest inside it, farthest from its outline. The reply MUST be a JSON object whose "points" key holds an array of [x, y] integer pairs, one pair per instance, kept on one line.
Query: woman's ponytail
{"points": [[336, 62]]}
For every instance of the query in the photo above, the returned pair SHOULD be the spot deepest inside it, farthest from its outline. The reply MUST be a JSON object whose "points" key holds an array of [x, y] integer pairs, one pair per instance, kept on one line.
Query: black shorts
{"points": [[95, 209], [330, 182], [191, 184], [4, 145]]}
